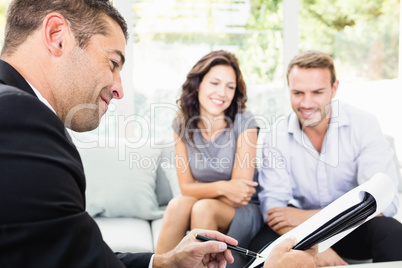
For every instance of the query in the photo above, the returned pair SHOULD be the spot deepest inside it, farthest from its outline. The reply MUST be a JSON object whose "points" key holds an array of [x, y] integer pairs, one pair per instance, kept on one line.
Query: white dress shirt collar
{"points": [[41, 98]]}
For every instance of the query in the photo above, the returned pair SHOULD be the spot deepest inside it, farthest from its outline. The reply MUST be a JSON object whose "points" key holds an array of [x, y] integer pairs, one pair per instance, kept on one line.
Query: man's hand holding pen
{"points": [[243, 251], [191, 252]]}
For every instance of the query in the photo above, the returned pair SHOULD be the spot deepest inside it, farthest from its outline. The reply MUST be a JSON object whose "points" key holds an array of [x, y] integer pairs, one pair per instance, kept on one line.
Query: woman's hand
{"points": [[238, 191]]}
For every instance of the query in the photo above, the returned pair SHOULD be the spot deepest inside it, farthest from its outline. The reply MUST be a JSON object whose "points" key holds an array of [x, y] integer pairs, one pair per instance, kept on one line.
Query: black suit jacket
{"points": [[43, 222]]}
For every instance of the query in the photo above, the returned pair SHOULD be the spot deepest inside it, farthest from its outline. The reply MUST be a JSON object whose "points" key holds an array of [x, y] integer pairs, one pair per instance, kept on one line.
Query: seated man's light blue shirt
{"points": [[353, 150]]}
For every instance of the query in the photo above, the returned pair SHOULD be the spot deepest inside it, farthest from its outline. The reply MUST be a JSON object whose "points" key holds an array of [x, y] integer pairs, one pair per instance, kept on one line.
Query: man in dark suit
{"points": [[60, 67]]}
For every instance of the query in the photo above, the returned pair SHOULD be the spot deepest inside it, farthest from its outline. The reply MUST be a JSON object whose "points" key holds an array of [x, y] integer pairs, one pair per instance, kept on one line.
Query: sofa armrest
{"points": [[126, 234]]}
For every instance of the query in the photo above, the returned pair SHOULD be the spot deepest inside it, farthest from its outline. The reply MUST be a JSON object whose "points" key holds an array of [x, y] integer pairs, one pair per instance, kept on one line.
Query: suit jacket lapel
{"points": [[10, 76]]}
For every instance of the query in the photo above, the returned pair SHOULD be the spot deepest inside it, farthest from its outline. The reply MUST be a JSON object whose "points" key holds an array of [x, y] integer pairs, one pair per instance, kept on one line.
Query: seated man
{"points": [[323, 149]]}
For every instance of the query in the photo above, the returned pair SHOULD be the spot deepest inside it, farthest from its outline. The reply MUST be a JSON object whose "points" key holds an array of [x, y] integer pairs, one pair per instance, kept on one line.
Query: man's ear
{"points": [[335, 88], [56, 32]]}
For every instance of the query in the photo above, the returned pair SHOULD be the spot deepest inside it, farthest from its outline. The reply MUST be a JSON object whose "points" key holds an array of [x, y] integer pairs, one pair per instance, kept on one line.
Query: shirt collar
{"points": [[339, 113], [41, 98]]}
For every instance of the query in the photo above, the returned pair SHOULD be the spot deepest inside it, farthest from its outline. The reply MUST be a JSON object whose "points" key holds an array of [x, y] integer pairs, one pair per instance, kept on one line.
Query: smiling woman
{"points": [[217, 137], [216, 91]]}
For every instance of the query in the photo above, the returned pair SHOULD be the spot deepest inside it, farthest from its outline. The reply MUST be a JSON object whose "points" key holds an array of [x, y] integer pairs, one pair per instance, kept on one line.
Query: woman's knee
{"points": [[211, 214], [180, 204], [204, 208]]}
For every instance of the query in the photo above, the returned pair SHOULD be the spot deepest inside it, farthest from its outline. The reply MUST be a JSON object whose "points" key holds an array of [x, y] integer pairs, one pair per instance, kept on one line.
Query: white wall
{"points": [[381, 98]]}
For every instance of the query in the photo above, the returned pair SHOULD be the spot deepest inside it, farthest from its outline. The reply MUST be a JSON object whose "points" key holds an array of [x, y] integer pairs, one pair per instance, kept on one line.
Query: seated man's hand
{"points": [[329, 258], [283, 256], [193, 253], [287, 217]]}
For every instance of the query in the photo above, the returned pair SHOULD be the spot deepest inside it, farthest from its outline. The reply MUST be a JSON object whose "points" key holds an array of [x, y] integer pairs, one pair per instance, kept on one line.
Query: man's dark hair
{"points": [[313, 59], [85, 17]]}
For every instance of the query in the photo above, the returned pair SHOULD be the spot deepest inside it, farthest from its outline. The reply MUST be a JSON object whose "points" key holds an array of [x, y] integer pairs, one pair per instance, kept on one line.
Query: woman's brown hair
{"points": [[188, 116]]}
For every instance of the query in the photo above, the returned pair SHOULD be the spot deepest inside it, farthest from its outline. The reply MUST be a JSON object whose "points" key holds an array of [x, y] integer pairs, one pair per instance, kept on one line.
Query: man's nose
{"points": [[117, 87], [306, 101]]}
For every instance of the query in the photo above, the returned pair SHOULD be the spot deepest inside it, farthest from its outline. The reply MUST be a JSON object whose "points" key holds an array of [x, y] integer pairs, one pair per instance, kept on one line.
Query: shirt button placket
{"points": [[322, 182]]}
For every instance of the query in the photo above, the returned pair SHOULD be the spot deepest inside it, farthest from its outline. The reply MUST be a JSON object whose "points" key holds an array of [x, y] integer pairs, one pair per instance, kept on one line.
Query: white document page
{"points": [[380, 186]]}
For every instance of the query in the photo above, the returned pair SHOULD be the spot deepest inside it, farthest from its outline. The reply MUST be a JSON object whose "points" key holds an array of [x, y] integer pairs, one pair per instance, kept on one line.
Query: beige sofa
{"points": [[128, 187]]}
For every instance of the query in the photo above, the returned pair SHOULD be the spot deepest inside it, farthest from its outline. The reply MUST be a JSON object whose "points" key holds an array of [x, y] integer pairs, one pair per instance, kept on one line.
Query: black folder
{"points": [[349, 218]]}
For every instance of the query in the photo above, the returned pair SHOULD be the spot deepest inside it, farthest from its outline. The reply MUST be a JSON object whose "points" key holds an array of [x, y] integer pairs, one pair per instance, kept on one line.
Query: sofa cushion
{"points": [[162, 187], [156, 226], [167, 185], [171, 175], [126, 234], [121, 181]]}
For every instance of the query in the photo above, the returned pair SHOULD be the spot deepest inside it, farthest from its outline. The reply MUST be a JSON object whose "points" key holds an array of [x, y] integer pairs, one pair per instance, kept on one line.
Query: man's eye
{"points": [[115, 65]]}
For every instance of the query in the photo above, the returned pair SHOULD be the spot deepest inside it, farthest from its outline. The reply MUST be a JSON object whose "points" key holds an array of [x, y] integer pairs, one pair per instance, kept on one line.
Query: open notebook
{"points": [[339, 218]]}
